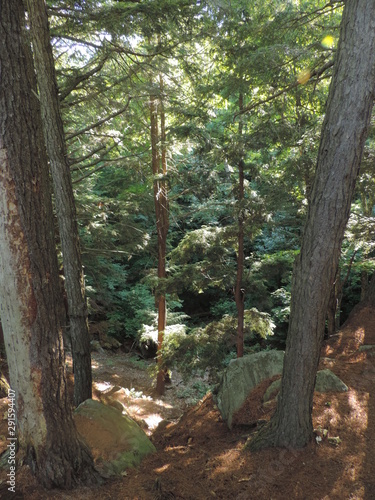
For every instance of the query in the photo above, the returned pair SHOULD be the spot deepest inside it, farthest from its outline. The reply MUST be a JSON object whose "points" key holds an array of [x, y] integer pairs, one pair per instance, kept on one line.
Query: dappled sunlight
{"points": [[329, 417], [340, 344], [225, 462], [160, 470], [328, 412], [345, 417], [102, 386], [94, 364], [153, 421], [179, 450], [148, 412], [359, 335], [358, 418], [349, 477]]}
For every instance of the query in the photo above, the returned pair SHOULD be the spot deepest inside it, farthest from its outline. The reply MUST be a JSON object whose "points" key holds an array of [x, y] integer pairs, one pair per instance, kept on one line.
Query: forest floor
{"points": [[199, 458]]}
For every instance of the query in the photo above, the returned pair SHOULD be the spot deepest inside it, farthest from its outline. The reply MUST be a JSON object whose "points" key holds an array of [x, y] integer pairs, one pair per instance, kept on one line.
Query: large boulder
{"points": [[272, 390], [115, 440], [241, 376], [326, 381]]}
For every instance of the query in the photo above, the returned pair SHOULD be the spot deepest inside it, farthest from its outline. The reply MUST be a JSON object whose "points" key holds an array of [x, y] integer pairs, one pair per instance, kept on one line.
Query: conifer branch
{"points": [[316, 73], [98, 123]]}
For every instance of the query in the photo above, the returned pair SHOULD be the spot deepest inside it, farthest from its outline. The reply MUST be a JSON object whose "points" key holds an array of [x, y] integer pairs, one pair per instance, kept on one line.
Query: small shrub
{"points": [[213, 347]]}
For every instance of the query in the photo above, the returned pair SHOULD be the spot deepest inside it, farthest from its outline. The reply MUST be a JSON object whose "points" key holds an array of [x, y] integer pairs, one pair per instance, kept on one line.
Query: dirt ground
{"points": [[199, 458]]}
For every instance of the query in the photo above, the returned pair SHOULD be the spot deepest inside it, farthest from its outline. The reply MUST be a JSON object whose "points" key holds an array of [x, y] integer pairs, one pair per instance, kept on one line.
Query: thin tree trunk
{"points": [[331, 312], [370, 294], [339, 290], [64, 199], [29, 282], [364, 285], [159, 169], [344, 133], [239, 291], [338, 312]]}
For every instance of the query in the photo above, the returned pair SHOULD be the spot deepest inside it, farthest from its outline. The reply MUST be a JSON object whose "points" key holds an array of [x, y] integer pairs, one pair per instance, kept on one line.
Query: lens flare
{"points": [[303, 77], [328, 42]]}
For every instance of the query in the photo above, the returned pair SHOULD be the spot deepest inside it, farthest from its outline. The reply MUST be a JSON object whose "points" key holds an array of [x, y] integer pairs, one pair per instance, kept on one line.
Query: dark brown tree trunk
{"points": [[344, 133], [364, 285], [339, 290], [370, 294], [331, 312], [239, 291], [64, 199], [29, 283], [335, 299], [338, 311], [159, 169]]}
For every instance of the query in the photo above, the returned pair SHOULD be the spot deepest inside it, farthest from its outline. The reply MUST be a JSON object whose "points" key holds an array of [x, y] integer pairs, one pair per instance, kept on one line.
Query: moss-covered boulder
{"points": [[272, 391], [115, 440], [241, 376], [326, 381]]}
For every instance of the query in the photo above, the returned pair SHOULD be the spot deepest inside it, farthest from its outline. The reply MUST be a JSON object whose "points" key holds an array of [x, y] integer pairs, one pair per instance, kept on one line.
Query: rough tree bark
{"points": [[239, 291], [343, 136], [369, 298], [29, 283], [64, 199]]}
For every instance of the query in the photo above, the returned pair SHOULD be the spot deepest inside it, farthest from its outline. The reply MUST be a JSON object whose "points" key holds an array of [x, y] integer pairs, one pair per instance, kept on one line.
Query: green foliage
{"points": [[135, 308], [212, 347], [109, 57], [126, 307], [194, 392], [202, 256], [148, 332], [223, 307], [281, 305]]}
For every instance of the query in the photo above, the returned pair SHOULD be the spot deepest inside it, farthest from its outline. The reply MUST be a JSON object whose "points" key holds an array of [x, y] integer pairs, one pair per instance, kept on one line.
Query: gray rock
{"points": [[366, 348], [115, 440], [327, 381], [271, 390], [241, 376], [96, 347]]}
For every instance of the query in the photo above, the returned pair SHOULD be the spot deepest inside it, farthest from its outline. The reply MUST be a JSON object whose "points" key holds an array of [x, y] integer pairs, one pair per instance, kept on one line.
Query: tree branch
{"points": [[79, 79], [98, 123], [111, 160], [95, 162], [315, 73]]}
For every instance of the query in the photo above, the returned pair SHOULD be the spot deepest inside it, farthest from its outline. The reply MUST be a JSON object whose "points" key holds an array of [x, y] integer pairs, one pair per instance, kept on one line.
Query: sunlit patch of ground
{"points": [[144, 409]]}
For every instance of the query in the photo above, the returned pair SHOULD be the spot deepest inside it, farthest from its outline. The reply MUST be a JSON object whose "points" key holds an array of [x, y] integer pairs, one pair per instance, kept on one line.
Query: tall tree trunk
{"points": [[331, 310], [29, 283], [239, 291], [339, 290], [364, 285], [159, 169], [64, 199], [369, 298], [335, 299], [344, 133]]}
